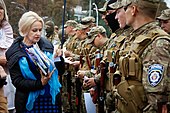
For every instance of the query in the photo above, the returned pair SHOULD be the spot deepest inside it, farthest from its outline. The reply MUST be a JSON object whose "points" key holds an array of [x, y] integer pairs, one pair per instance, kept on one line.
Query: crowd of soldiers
{"points": [[127, 72]]}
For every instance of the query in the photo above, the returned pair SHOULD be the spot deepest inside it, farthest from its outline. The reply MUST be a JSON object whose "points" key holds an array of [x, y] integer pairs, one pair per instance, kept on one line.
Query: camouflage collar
{"points": [[145, 28]]}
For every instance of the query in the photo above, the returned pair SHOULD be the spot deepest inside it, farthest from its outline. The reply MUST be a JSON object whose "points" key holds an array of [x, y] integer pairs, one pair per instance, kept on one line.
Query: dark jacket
{"points": [[23, 86]]}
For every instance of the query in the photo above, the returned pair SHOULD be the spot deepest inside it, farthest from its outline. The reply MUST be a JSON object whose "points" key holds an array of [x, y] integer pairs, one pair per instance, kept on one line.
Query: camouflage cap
{"points": [[103, 9], [140, 2], [165, 15], [87, 20], [80, 27], [72, 23], [117, 5], [106, 6], [94, 31], [49, 23], [49, 27]]}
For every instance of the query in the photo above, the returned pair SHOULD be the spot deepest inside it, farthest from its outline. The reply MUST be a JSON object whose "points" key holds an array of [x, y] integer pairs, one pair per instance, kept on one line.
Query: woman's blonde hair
{"points": [[26, 22], [2, 4]]}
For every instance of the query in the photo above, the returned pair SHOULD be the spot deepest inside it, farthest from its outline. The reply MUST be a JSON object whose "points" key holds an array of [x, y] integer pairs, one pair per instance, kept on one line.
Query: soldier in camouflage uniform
{"points": [[86, 24], [68, 107], [84, 45], [113, 48], [78, 43], [69, 32], [108, 15], [78, 40], [75, 46], [164, 19], [144, 63], [97, 37], [51, 35]]}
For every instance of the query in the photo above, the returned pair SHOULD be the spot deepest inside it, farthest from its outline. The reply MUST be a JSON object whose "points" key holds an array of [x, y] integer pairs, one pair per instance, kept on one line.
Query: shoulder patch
{"points": [[155, 74]]}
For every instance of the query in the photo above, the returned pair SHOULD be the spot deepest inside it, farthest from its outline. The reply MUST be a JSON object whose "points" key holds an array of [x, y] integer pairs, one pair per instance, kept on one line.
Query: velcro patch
{"points": [[155, 74]]}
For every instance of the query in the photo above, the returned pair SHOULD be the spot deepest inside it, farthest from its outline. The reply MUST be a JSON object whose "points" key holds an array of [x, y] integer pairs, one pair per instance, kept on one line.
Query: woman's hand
{"points": [[3, 60], [45, 79]]}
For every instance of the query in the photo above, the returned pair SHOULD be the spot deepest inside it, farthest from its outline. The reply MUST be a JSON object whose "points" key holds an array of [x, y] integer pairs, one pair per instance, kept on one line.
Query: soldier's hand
{"points": [[164, 109], [85, 85], [80, 74], [76, 63], [45, 79], [67, 53], [70, 58], [91, 91], [91, 83], [58, 52]]}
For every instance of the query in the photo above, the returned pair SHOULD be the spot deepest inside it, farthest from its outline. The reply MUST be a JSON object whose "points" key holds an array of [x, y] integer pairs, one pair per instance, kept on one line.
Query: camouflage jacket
{"points": [[144, 58]]}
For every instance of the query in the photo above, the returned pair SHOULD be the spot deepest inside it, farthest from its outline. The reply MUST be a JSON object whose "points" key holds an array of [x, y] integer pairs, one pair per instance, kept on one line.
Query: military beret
{"points": [[87, 20], [94, 31], [72, 23], [165, 15]]}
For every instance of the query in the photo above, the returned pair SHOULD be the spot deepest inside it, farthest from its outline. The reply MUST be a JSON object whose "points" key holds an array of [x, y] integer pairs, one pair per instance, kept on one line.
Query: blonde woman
{"points": [[32, 70]]}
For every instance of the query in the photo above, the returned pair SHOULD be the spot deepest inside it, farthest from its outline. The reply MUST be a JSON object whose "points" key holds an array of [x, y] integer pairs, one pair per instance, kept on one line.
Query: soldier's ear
{"points": [[134, 10]]}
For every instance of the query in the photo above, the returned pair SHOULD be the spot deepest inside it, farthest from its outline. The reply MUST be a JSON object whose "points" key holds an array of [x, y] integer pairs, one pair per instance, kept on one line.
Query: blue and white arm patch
{"points": [[155, 74]]}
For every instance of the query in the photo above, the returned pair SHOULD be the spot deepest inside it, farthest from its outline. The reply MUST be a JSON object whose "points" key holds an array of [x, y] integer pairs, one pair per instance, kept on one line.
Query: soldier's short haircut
{"points": [[147, 7]]}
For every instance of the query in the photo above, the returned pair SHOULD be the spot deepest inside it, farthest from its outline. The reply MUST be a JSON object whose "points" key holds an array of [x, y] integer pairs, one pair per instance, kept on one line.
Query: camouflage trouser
{"points": [[82, 101], [110, 102], [70, 107], [3, 102], [66, 105]]}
